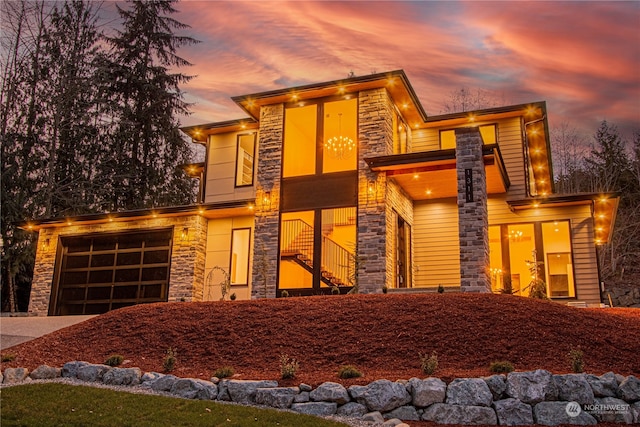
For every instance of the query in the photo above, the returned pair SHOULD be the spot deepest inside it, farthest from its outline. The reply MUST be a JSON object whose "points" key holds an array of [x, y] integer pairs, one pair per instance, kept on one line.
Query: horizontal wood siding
{"points": [[435, 236], [221, 170], [582, 239], [425, 140], [510, 143]]}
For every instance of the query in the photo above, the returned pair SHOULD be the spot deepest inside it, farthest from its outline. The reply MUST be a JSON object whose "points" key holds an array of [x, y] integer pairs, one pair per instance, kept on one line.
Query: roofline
{"points": [[562, 198], [235, 124], [485, 111]]}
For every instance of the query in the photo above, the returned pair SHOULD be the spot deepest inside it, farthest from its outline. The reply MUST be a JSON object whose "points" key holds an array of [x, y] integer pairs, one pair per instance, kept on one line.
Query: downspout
{"points": [[525, 152]]}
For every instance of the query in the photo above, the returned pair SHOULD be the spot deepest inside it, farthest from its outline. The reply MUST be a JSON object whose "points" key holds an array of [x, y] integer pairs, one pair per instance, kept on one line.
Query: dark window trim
{"points": [[253, 162], [233, 230]]}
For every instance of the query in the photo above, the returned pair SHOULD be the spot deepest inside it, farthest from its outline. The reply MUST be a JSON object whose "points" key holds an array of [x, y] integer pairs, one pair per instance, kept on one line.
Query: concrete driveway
{"points": [[16, 330]]}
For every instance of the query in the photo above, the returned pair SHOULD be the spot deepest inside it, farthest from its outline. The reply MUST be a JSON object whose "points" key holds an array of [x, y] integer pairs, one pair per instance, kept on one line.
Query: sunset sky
{"points": [[583, 58]]}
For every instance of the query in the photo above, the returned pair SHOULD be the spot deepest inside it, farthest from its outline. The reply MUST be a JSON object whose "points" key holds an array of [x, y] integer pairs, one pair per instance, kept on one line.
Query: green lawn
{"points": [[55, 404]]}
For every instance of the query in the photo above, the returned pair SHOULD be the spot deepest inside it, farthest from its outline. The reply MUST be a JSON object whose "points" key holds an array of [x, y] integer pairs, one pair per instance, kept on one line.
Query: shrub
{"points": [[224, 372], [335, 290], [576, 358], [288, 367], [502, 367], [429, 364], [349, 371], [8, 357], [114, 360], [169, 362], [284, 294], [440, 289], [233, 297]]}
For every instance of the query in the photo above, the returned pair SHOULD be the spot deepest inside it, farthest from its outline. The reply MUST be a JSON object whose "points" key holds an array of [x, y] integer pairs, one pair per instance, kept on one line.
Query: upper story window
{"points": [[487, 132], [245, 155], [320, 138], [401, 134]]}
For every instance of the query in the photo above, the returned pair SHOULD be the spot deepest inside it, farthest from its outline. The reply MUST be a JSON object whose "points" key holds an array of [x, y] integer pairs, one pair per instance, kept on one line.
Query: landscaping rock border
{"points": [[519, 398]]}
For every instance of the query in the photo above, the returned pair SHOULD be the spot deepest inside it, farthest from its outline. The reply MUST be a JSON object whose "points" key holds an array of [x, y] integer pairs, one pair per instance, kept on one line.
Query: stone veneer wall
{"points": [[473, 217], [187, 257], [398, 203], [265, 256], [375, 122]]}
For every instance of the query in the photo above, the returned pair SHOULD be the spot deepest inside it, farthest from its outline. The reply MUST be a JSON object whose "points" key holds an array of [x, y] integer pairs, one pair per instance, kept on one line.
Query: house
{"points": [[326, 186]]}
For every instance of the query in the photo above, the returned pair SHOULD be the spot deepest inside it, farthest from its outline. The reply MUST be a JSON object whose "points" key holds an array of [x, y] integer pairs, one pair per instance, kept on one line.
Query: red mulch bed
{"points": [[382, 335]]}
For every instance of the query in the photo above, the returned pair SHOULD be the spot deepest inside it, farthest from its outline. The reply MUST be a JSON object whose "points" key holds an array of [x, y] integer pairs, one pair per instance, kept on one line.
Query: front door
{"points": [[403, 251]]}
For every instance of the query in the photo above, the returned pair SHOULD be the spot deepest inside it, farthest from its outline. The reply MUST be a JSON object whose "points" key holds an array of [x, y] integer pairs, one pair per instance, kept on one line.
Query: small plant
{"points": [[224, 372], [429, 364], [349, 371], [440, 289], [335, 290], [8, 357], [114, 360], [170, 358], [233, 297], [502, 367], [284, 294], [576, 358], [288, 367]]}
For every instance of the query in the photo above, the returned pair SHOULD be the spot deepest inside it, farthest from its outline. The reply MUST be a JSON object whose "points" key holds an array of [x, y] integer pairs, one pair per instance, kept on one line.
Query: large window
{"points": [[300, 140], [246, 149], [240, 243], [487, 133], [520, 251]]}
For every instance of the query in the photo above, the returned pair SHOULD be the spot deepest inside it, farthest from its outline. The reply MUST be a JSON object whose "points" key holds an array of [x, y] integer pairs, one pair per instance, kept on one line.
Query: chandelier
{"points": [[340, 146]]}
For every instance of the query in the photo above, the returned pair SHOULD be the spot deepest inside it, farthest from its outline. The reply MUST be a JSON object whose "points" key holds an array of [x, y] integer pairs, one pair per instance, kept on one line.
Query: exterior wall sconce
{"points": [[372, 191], [185, 234], [46, 244], [266, 201]]}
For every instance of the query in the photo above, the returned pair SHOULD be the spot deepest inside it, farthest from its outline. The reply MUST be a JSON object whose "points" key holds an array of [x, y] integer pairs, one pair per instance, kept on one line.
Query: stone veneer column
{"points": [[473, 215], [375, 117], [265, 248], [186, 278]]}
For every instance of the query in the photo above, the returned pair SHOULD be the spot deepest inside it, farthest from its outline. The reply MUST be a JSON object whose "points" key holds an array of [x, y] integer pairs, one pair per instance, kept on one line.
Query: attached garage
{"points": [[102, 272]]}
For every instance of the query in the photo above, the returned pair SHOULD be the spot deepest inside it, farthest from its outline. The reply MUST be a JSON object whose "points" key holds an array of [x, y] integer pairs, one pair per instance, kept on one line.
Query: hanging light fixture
{"points": [[340, 146]]}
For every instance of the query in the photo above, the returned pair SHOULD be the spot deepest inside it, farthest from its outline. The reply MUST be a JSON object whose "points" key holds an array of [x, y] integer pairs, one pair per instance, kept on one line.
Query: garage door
{"points": [[103, 272]]}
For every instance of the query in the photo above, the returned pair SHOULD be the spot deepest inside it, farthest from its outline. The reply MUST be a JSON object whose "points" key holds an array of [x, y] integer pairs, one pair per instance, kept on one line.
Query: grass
{"points": [[54, 404]]}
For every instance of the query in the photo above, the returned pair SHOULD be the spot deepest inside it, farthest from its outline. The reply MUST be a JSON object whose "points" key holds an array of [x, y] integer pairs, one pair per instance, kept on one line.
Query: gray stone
{"points": [[573, 388], [611, 410], [427, 392], [149, 377], [554, 413], [244, 391], [352, 410], [92, 373], [70, 369], [393, 422], [164, 383], [384, 395], [512, 412], [443, 413], [223, 391], [122, 376], [620, 378], [15, 375], [469, 392], [320, 409], [605, 385], [497, 385], [531, 387], [301, 397], [357, 393], [404, 413], [330, 392], [305, 387], [192, 388], [635, 410], [373, 417], [276, 397], [44, 372], [629, 389]]}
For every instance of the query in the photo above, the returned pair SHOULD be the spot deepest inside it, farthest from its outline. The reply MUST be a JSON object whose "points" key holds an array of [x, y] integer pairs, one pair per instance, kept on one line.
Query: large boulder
{"points": [[385, 395], [427, 392], [164, 383], [15, 375], [574, 388], [497, 384], [357, 393], [352, 410], [191, 388], [319, 409], [301, 397], [443, 413], [635, 411], [612, 410], [605, 385], [122, 376], [512, 412], [149, 377], [330, 392], [92, 373], [276, 397], [45, 372], [531, 387], [70, 369], [554, 413], [629, 389], [244, 391], [469, 392], [404, 413]]}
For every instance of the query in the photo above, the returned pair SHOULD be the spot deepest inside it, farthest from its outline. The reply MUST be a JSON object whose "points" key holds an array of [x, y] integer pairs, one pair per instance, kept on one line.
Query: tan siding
{"points": [[510, 143], [425, 140], [436, 253], [221, 170]]}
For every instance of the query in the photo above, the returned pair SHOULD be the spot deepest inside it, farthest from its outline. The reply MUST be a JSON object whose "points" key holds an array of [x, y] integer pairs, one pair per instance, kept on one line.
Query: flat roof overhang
{"points": [[432, 175], [209, 211], [199, 133], [604, 207]]}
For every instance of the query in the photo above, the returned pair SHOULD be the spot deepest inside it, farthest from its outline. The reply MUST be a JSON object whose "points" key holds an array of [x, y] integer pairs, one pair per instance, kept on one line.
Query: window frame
{"points": [[253, 162], [248, 260]]}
